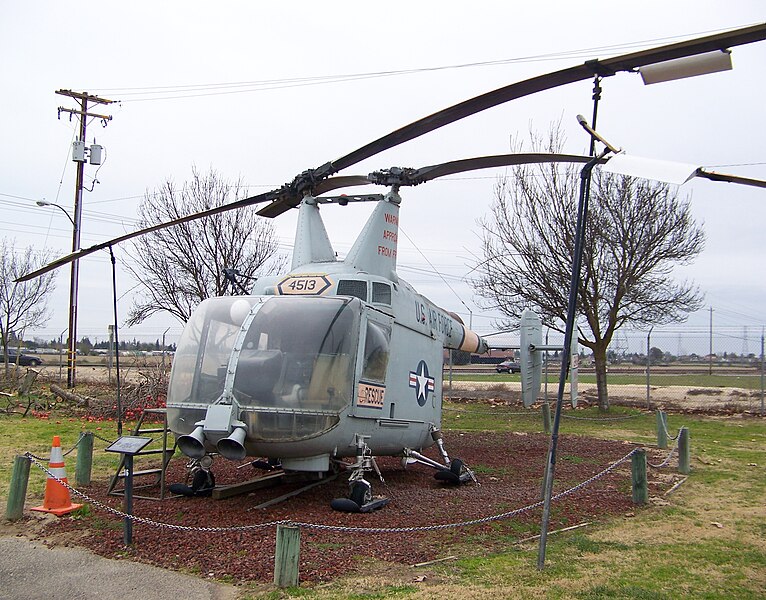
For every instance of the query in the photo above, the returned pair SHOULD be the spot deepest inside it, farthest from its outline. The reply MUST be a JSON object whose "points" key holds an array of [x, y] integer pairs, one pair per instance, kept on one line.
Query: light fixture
{"points": [[689, 66], [61, 208]]}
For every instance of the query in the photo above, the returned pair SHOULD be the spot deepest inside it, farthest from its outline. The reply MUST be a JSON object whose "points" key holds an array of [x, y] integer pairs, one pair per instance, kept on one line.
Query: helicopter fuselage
{"points": [[312, 360]]}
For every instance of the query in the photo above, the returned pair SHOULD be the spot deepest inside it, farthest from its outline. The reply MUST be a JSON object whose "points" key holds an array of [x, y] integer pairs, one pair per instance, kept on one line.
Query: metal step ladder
{"points": [[154, 476]]}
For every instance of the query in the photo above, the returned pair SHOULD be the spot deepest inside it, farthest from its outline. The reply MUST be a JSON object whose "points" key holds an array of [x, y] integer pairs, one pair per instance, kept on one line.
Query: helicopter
{"points": [[342, 358], [335, 359]]}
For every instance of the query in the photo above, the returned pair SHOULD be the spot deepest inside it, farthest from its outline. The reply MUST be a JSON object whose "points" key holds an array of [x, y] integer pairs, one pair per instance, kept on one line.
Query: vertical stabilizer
{"points": [[311, 241], [531, 333], [374, 251]]}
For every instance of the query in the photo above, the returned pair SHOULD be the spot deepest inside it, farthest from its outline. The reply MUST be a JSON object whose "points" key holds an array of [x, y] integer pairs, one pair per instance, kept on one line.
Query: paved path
{"points": [[31, 570]]}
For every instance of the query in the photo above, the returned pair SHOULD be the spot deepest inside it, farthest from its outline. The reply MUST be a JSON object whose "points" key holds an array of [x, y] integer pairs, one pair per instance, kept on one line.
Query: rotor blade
{"points": [[64, 260], [610, 66], [280, 206], [604, 68], [487, 162], [290, 194], [713, 176]]}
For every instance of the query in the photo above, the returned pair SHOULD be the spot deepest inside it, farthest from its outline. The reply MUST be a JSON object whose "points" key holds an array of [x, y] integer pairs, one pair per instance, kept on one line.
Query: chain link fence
{"points": [[715, 370]]}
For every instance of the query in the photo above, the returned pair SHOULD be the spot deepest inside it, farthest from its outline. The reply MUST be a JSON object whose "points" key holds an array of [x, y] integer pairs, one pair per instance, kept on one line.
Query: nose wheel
{"points": [[360, 498]]}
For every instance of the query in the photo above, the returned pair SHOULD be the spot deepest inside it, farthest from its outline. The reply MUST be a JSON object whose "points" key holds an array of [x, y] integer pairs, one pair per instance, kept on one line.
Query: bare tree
{"points": [[183, 265], [636, 232], [22, 305]]}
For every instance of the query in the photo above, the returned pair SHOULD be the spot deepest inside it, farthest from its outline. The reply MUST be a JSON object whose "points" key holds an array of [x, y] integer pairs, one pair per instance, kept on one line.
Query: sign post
{"points": [[128, 446]]}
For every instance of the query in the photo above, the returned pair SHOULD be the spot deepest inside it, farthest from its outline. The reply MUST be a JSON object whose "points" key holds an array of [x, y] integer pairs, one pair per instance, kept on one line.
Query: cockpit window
{"points": [[299, 354], [202, 353], [376, 352]]}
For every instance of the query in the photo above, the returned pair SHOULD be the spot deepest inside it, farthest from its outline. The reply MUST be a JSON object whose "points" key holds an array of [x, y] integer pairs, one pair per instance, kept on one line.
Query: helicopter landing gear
{"points": [[202, 478], [457, 473], [453, 471], [360, 498]]}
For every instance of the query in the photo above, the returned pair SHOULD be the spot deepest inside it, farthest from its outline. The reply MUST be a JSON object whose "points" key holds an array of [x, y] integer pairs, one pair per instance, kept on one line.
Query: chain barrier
{"points": [[103, 439], [667, 458], [667, 433], [73, 448], [493, 413], [67, 453], [319, 527], [535, 414], [623, 418], [145, 521]]}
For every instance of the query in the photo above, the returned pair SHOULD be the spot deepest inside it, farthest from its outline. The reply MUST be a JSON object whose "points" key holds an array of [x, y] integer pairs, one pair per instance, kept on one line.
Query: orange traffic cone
{"points": [[57, 499]]}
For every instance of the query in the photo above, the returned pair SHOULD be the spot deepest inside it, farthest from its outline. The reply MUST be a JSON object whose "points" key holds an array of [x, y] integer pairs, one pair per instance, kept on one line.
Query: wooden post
{"points": [[662, 436], [638, 477], [84, 459], [18, 492], [546, 417], [287, 556], [684, 452]]}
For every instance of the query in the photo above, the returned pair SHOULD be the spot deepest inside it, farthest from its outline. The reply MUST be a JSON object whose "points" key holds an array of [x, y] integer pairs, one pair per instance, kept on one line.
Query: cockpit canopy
{"points": [[277, 352]]}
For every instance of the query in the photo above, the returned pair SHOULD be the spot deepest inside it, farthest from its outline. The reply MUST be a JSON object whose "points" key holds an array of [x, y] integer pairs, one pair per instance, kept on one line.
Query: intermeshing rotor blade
{"points": [[290, 195], [604, 68], [327, 185], [64, 260], [713, 176], [412, 177], [487, 162]]}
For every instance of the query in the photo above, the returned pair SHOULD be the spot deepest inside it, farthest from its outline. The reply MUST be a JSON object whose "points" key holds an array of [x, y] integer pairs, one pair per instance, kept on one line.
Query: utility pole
{"points": [[78, 155]]}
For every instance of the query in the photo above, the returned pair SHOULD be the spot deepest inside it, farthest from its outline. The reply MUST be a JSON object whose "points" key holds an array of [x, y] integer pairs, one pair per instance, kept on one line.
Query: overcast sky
{"points": [[166, 61]]}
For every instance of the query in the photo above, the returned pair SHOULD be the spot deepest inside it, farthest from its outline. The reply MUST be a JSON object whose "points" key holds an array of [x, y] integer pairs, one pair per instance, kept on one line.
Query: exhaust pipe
{"points": [[232, 447], [193, 444]]}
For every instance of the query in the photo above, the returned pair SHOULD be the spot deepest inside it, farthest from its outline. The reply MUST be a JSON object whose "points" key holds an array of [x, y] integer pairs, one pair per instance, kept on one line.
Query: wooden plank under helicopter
{"points": [[343, 359]]}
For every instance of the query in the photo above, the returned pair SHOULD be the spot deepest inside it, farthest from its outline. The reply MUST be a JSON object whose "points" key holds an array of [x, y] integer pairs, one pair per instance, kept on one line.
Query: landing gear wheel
{"points": [[361, 492], [360, 499], [456, 474]]}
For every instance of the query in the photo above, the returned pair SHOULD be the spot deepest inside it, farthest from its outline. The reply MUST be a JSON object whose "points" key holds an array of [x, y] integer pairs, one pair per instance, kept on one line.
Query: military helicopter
{"points": [[336, 359], [342, 358]]}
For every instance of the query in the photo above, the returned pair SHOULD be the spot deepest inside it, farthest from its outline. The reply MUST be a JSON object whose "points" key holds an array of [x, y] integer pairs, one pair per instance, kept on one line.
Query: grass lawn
{"points": [[706, 540]]}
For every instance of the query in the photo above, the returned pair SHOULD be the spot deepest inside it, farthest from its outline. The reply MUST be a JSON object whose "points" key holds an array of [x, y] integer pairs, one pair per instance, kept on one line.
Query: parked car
{"points": [[508, 366], [24, 360]]}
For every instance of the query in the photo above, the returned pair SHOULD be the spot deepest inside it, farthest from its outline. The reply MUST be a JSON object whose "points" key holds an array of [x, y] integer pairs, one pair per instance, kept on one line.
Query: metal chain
{"points": [[493, 413], [502, 516], [67, 453], [667, 433], [144, 520], [667, 458], [103, 439], [623, 418]]}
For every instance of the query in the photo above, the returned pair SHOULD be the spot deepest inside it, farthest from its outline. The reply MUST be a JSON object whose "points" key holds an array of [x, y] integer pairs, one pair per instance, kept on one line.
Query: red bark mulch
{"points": [[509, 467]]}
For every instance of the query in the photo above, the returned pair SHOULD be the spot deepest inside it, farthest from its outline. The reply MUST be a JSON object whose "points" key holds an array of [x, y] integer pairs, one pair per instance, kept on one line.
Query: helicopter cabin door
{"points": [[375, 347]]}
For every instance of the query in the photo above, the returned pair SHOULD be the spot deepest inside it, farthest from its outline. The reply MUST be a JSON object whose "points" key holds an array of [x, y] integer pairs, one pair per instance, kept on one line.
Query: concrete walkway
{"points": [[29, 569]]}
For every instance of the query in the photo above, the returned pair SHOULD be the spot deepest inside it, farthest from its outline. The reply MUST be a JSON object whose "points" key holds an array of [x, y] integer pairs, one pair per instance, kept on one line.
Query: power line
{"points": [[155, 93]]}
